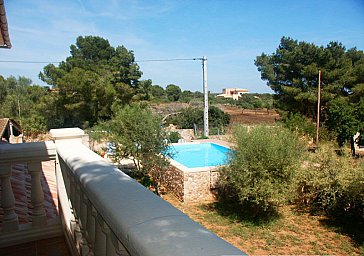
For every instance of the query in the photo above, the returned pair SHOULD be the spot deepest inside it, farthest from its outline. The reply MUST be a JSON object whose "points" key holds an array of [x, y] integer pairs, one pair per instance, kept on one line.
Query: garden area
{"points": [[293, 233], [276, 197]]}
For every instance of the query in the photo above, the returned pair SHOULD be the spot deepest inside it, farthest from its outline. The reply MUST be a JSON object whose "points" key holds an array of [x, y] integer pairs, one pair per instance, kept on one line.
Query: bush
{"points": [[332, 185], [261, 168], [173, 137], [299, 123], [190, 116]]}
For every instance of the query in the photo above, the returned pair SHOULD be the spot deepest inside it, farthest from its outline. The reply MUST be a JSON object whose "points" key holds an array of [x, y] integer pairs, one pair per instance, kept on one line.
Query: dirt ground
{"points": [[237, 114], [250, 116]]}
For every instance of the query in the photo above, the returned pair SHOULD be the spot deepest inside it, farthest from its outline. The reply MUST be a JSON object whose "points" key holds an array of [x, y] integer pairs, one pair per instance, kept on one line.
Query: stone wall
{"points": [[197, 187], [172, 180], [190, 187]]}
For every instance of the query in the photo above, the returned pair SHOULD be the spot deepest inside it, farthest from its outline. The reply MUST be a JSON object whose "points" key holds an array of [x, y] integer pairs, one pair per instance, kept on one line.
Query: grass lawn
{"points": [[292, 232]]}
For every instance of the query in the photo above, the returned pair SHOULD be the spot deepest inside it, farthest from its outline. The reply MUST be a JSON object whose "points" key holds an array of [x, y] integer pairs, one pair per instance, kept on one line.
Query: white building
{"points": [[232, 93]]}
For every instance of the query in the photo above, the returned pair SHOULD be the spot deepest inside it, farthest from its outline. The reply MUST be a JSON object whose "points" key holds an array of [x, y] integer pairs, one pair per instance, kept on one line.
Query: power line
{"points": [[156, 60], [57, 62], [28, 61]]}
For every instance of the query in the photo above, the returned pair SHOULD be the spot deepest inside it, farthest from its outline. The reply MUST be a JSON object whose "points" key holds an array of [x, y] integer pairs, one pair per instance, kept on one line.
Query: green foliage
{"points": [[92, 79], [187, 118], [254, 101], [144, 90], [299, 123], [173, 92], [332, 185], [217, 117], [138, 135], [190, 116], [28, 104], [261, 169], [158, 92], [342, 119], [173, 137], [292, 72]]}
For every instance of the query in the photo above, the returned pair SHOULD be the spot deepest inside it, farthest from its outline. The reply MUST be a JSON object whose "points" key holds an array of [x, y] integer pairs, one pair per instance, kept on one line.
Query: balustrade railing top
{"points": [[25, 152]]}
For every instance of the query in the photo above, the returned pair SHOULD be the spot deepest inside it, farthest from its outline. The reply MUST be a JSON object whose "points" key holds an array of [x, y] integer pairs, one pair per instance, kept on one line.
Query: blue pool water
{"points": [[199, 155]]}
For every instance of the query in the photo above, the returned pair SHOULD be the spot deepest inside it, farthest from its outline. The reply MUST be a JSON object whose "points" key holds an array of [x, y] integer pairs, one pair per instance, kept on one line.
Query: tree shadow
{"points": [[246, 212], [352, 227]]}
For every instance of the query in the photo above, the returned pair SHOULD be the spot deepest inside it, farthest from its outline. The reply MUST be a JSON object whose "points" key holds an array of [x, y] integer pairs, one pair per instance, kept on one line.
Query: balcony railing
{"points": [[29, 156], [104, 211]]}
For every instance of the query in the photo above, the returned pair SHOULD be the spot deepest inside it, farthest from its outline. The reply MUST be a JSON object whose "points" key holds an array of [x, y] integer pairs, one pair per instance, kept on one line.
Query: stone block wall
{"points": [[190, 187], [197, 187], [172, 180]]}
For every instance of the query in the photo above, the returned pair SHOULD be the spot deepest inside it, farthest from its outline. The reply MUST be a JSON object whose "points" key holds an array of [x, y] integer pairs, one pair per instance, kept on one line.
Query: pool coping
{"points": [[199, 169]]}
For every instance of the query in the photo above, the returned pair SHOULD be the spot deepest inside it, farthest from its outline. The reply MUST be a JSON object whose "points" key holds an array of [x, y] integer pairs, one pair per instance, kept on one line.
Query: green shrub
{"points": [[299, 123], [261, 168], [332, 184], [173, 137], [190, 116]]}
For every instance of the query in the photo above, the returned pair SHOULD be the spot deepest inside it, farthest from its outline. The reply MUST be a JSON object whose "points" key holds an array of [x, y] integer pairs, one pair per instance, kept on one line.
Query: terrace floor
{"points": [[56, 246]]}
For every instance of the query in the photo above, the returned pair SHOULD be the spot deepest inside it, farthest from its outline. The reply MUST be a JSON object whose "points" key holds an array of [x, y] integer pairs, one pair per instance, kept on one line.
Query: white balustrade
{"points": [[39, 217], [83, 224], [104, 211], [31, 156], [118, 216], [10, 219], [90, 225], [100, 237]]}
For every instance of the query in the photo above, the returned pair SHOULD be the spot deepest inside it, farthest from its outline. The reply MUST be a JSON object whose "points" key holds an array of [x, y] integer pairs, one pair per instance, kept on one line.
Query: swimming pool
{"points": [[194, 155]]}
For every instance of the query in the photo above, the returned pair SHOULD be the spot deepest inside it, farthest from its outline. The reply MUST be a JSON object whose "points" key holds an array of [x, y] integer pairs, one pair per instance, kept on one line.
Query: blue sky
{"points": [[231, 33]]}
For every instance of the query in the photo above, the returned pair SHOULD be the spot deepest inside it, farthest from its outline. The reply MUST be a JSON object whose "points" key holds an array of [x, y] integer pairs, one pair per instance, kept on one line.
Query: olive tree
{"points": [[137, 134], [261, 167]]}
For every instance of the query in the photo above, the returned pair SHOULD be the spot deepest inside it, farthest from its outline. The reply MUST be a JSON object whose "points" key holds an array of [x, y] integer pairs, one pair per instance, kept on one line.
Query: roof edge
{"points": [[4, 27]]}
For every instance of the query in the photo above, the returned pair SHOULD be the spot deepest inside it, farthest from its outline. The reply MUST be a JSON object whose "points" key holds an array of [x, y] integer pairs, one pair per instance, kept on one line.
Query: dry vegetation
{"points": [[250, 116], [292, 233]]}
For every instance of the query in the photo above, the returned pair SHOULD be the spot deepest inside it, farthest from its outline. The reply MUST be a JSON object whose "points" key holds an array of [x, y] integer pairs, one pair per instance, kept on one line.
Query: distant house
{"points": [[232, 93], [10, 131]]}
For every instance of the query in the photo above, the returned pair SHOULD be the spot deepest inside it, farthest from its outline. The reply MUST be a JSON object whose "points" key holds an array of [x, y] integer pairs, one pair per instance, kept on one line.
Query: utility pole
{"points": [[205, 90], [206, 98], [318, 108]]}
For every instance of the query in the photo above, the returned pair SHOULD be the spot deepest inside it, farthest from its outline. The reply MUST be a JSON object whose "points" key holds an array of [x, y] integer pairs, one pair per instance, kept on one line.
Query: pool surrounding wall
{"points": [[191, 185]]}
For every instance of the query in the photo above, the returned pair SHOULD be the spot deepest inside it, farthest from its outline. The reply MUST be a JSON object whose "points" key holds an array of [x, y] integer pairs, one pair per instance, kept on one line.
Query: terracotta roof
{"points": [[21, 184], [4, 123], [4, 32]]}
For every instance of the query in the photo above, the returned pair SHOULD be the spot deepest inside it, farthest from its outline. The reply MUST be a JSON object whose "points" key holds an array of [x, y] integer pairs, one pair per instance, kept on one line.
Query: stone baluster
{"points": [[65, 175], [77, 200], [119, 247], [105, 240], [72, 192], [10, 218], [100, 237], [83, 223], [39, 217], [76, 212], [90, 225], [110, 248]]}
